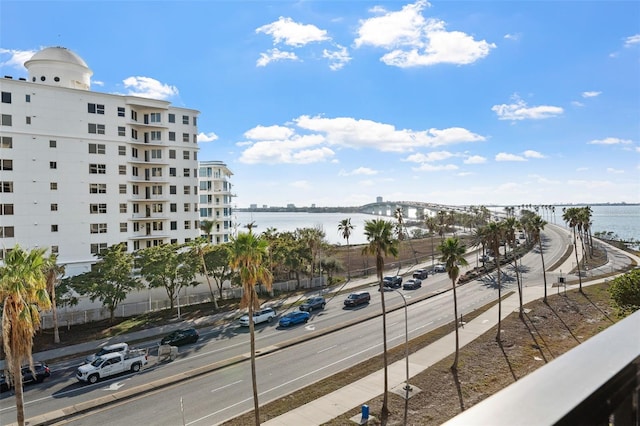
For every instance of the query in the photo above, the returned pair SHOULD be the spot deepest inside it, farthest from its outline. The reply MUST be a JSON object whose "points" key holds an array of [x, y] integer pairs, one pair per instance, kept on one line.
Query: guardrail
{"points": [[596, 383]]}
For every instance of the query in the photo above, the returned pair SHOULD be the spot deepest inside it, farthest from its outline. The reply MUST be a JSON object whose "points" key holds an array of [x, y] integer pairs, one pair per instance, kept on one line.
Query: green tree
{"points": [[110, 279], [625, 291], [247, 254], [495, 233], [453, 258], [23, 291], [199, 247], [379, 234], [511, 226], [572, 217], [535, 225], [53, 273], [345, 228], [217, 261]]}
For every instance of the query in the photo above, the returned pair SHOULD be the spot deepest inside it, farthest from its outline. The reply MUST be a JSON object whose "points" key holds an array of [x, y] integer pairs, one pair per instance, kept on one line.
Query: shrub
{"points": [[625, 292]]}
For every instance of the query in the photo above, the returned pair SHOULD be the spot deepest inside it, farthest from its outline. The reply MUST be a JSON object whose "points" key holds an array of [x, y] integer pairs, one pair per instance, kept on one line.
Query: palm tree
{"points": [[453, 258], [201, 246], [206, 226], [432, 226], [511, 225], [570, 216], [536, 225], [247, 253], [379, 234], [23, 291], [345, 228], [53, 272], [494, 236]]}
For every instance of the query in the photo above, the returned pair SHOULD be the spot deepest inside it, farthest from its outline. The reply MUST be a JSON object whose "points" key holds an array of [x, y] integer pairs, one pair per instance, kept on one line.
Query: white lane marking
{"points": [[310, 327], [114, 386], [225, 386], [326, 349]]}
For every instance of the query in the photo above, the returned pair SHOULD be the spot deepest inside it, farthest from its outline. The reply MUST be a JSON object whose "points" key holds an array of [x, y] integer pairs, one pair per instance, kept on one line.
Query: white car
{"points": [[263, 315], [439, 268]]}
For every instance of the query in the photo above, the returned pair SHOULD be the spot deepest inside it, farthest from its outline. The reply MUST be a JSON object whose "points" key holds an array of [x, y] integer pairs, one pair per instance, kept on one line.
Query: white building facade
{"points": [[81, 170], [215, 200]]}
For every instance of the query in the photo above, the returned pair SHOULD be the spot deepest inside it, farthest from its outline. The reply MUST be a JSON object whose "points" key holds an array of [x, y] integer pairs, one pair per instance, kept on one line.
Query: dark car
{"points": [[42, 372], [313, 303], [293, 318], [359, 298], [412, 284], [392, 282], [181, 337], [421, 274]]}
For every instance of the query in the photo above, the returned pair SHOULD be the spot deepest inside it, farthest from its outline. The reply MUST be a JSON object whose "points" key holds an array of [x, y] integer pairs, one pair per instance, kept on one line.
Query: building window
{"points": [[185, 137], [6, 232], [6, 120], [123, 226], [195, 121], [98, 248], [122, 150], [97, 148], [186, 190], [134, 171], [172, 189], [155, 117], [136, 227], [134, 115], [6, 97], [97, 208], [156, 153], [185, 119], [187, 207], [27, 98], [173, 225], [122, 169], [96, 128], [95, 108], [122, 188], [123, 207], [172, 136], [53, 144], [97, 188], [6, 186], [156, 190], [98, 228], [136, 208], [195, 156], [156, 171], [28, 120], [54, 228], [173, 207], [54, 249], [120, 111], [134, 134], [6, 209], [172, 153], [156, 135], [99, 169], [122, 131], [6, 164], [187, 224], [135, 189], [172, 118], [53, 186], [53, 165], [54, 207], [6, 142], [185, 155], [172, 171], [186, 172], [136, 245]]}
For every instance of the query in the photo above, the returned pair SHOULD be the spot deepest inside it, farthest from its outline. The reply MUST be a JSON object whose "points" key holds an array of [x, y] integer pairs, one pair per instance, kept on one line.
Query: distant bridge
{"points": [[388, 208]]}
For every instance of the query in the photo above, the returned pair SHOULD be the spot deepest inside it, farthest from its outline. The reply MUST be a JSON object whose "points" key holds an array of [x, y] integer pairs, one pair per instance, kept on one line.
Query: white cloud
{"points": [[413, 40], [148, 87], [590, 94], [520, 111], [337, 58], [15, 58], [532, 154], [503, 156], [291, 33], [426, 167], [359, 171], [632, 40], [269, 133], [609, 141], [274, 55], [207, 137], [300, 184], [462, 174], [430, 157], [514, 37], [475, 159], [615, 171], [577, 103]]}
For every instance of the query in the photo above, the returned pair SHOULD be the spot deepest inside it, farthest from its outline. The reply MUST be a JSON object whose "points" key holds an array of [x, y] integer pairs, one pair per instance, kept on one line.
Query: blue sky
{"points": [[338, 102]]}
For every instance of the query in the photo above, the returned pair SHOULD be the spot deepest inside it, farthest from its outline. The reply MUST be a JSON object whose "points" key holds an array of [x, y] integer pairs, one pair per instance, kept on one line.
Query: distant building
{"points": [[83, 170], [378, 199], [215, 199]]}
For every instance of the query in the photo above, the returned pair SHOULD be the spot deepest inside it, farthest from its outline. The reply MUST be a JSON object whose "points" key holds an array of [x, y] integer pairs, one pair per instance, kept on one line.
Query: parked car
{"points": [[109, 349], [112, 364], [263, 315], [484, 258], [295, 317], [181, 337], [359, 298], [421, 274], [392, 281], [412, 284], [313, 303], [439, 268], [42, 371]]}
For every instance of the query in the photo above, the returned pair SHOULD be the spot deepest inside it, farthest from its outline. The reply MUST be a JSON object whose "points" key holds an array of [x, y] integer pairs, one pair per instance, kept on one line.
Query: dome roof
{"points": [[58, 54]]}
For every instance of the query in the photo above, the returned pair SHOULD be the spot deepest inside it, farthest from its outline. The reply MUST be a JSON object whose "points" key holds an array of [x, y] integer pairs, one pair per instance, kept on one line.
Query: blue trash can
{"points": [[365, 412]]}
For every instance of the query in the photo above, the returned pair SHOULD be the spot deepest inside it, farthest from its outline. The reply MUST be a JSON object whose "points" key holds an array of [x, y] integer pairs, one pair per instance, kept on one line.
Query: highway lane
{"points": [[338, 350]]}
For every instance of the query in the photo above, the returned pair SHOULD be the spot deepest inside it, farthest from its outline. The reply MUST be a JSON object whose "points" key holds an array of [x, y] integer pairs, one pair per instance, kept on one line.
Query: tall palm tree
{"points": [[571, 217], [201, 246], [511, 225], [345, 228], [402, 230], [494, 236], [247, 253], [23, 291], [379, 234], [53, 272], [453, 257], [536, 225], [432, 226]]}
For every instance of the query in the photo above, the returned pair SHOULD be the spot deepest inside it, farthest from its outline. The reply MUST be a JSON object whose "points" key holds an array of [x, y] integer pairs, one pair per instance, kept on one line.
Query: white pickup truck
{"points": [[112, 364]]}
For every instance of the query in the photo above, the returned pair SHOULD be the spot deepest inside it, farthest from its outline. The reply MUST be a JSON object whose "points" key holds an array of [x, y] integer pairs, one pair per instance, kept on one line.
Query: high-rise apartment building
{"points": [[82, 170], [215, 200]]}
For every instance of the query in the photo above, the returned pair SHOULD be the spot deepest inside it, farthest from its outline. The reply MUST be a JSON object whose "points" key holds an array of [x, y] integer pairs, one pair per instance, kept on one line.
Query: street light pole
{"points": [[407, 387]]}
